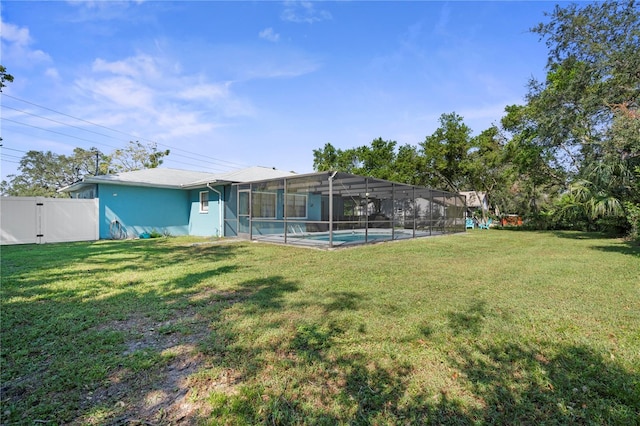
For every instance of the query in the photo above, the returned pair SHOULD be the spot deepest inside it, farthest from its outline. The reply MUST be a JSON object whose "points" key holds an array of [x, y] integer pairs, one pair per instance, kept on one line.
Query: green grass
{"points": [[499, 327]]}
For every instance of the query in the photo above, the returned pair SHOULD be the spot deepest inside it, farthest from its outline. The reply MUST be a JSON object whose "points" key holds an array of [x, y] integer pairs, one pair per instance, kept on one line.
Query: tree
{"points": [[4, 76], [137, 156], [446, 153], [486, 169], [535, 176], [329, 158], [577, 128], [448, 159], [43, 173], [409, 166], [380, 160], [376, 160]]}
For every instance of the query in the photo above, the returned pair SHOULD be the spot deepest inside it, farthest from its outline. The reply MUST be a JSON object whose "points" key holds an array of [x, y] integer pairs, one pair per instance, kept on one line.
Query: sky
{"points": [[226, 85]]}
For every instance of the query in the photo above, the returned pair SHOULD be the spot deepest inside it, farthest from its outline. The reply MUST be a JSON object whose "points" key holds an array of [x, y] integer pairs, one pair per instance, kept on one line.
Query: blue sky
{"points": [[232, 84]]}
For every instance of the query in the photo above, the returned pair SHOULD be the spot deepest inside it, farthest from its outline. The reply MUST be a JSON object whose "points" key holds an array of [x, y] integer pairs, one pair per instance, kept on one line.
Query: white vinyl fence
{"points": [[39, 220]]}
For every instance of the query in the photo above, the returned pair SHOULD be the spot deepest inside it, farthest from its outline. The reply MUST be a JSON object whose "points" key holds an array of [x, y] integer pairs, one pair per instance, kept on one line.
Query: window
{"points": [[204, 202], [296, 206], [263, 205]]}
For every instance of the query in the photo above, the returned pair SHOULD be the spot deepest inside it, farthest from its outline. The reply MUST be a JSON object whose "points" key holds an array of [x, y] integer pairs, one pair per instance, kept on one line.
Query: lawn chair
{"points": [[470, 224], [485, 225]]}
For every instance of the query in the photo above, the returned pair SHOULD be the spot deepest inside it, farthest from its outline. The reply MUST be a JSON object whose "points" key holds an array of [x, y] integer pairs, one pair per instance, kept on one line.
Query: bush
{"points": [[155, 234], [633, 217]]}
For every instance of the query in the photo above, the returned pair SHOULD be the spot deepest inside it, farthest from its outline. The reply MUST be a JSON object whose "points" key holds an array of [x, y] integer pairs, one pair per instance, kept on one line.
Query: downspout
{"points": [[219, 207]]}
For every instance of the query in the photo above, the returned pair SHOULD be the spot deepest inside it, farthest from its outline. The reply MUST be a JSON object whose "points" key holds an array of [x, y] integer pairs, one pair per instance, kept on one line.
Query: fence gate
{"points": [[39, 220]]}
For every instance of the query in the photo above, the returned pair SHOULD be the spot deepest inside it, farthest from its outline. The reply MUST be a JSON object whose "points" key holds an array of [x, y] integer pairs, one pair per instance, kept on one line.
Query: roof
{"points": [[249, 174], [475, 198], [177, 179]]}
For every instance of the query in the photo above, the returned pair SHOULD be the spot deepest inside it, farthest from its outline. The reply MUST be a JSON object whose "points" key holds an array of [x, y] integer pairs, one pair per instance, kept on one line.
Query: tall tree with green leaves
{"points": [[377, 160], [535, 174], [329, 158], [43, 173], [576, 130], [136, 156], [380, 160], [409, 166], [446, 153], [486, 169]]}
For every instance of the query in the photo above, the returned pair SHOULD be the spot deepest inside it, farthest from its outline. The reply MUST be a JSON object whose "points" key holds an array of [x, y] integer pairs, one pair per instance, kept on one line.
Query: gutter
{"points": [[219, 207]]}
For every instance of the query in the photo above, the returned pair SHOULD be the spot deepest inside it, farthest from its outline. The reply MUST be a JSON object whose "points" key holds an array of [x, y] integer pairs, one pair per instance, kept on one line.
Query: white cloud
{"points": [[303, 12], [153, 97], [211, 92], [275, 69], [269, 34], [122, 92], [52, 73], [101, 10], [444, 20], [16, 46], [13, 33], [137, 66]]}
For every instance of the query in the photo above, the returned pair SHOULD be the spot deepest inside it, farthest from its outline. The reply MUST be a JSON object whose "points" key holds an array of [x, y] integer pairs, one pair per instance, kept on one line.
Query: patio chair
{"points": [[295, 230], [469, 224], [485, 225]]}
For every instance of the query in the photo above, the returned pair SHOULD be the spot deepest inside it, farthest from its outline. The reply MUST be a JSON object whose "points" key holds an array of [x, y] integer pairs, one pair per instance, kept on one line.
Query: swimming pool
{"points": [[343, 237], [349, 238], [354, 237]]}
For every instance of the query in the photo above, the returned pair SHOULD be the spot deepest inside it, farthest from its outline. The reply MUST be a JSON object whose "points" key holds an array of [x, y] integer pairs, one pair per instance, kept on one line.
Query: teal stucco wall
{"points": [[140, 209], [205, 224]]}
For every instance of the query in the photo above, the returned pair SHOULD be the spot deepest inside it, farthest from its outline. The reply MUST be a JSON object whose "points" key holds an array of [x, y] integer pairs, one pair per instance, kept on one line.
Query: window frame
{"points": [[256, 212], [204, 203], [305, 205]]}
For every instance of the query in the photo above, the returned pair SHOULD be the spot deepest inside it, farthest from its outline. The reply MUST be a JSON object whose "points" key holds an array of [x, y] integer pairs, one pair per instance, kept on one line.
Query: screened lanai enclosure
{"points": [[332, 209]]}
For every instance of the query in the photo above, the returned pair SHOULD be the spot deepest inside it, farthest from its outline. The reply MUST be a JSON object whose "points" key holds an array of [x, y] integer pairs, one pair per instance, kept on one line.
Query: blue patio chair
{"points": [[469, 224], [485, 225]]}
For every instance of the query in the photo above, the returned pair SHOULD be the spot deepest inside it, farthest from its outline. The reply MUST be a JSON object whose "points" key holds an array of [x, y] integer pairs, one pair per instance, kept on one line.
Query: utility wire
{"points": [[207, 163], [12, 156], [209, 167], [58, 133], [11, 149], [9, 161], [58, 122], [108, 136], [232, 164]]}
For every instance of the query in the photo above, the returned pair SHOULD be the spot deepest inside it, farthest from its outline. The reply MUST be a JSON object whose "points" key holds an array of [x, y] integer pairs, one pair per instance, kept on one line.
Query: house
{"points": [[318, 209], [476, 200], [167, 201]]}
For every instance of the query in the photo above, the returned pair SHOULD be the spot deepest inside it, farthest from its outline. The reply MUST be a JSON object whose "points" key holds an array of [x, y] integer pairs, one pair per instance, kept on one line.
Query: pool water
{"points": [[349, 238]]}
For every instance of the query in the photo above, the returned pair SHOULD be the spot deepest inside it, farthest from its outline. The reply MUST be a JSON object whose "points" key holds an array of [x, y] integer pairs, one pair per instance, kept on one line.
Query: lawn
{"points": [[498, 327]]}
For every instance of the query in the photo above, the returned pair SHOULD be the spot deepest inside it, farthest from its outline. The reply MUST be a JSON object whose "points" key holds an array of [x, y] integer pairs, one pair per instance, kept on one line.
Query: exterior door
{"points": [[244, 214]]}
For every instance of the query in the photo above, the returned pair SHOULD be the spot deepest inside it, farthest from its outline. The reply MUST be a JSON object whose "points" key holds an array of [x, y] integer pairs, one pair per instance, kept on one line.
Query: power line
{"points": [[9, 161], [107, 136], [58, 133], [25, 152], [12, 149], [231, 163], [59, 122], [207, 164], [12, 156]]}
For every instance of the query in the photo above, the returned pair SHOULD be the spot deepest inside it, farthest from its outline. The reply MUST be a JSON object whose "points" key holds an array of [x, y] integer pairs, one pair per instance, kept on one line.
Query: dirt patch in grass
{"points": [[156, 385], [159, 397]]}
